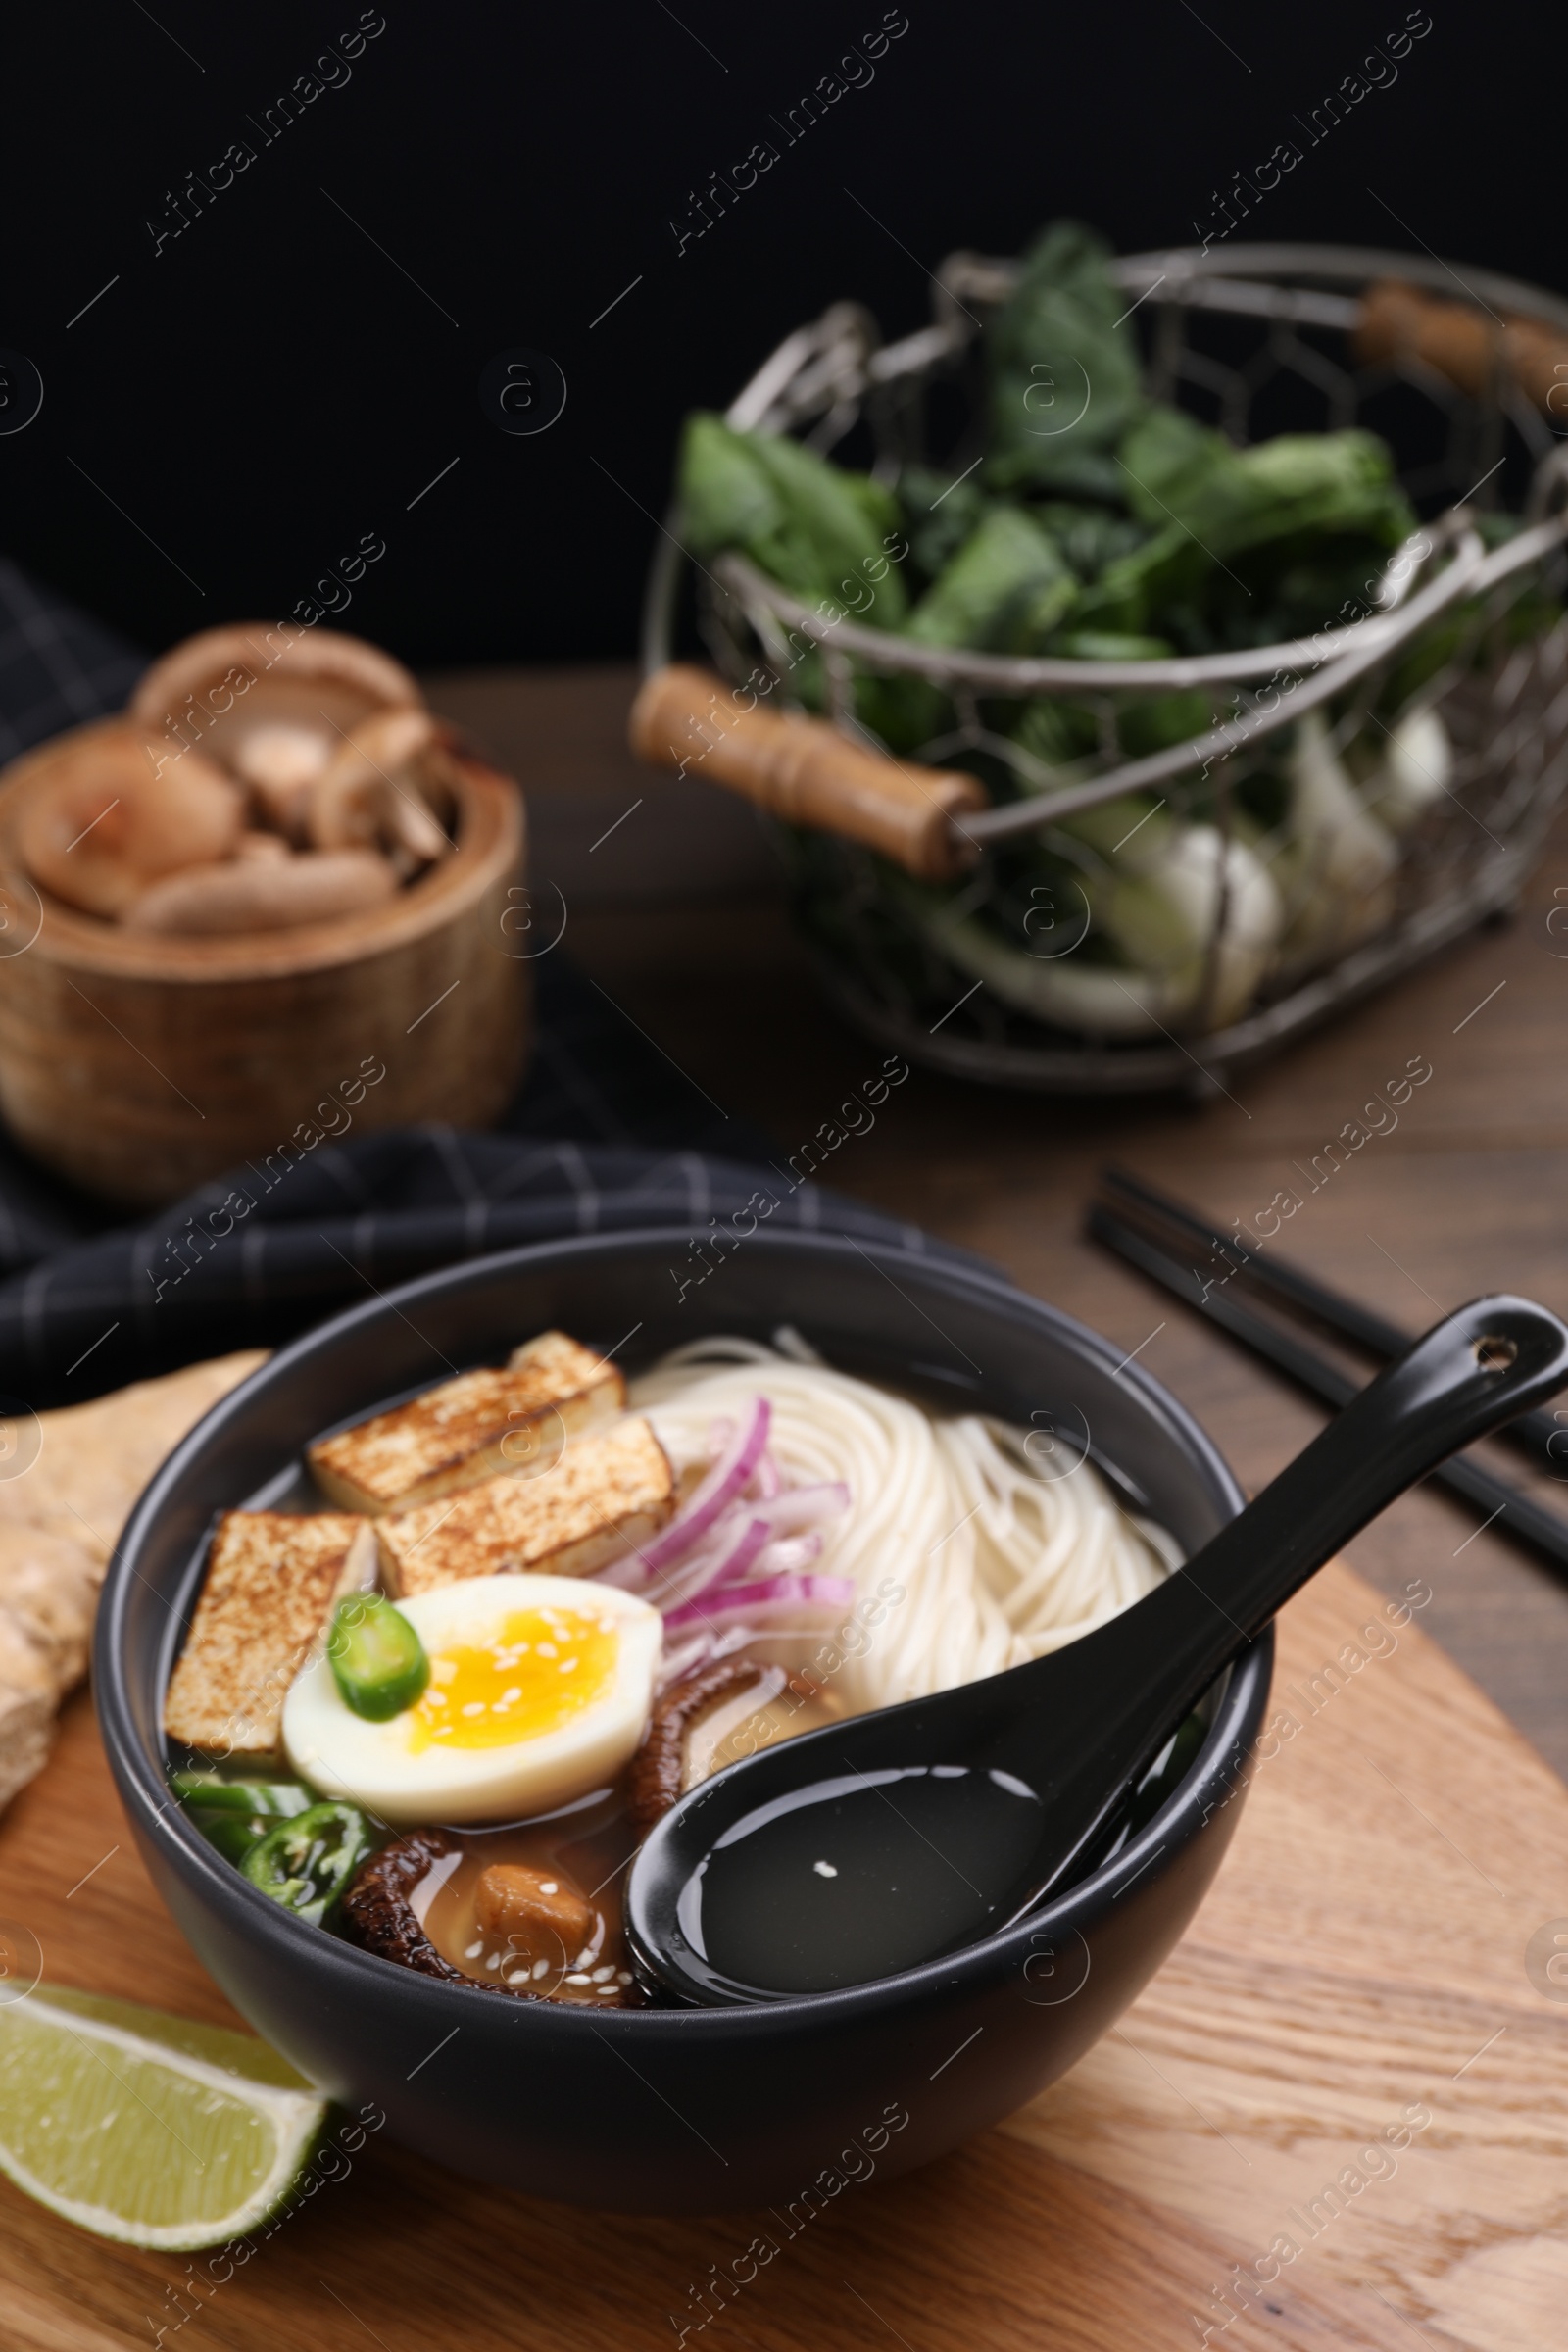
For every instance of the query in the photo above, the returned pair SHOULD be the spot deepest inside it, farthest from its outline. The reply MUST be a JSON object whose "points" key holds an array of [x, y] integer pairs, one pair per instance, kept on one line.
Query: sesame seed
{"points": [[550, 1885], [602, 1976], [472, 1951], [541, 1968], [577, 1977]]}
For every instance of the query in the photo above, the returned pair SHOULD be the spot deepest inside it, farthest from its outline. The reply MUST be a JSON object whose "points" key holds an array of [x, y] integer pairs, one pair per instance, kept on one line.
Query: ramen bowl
{"points": [[684, 2110]]}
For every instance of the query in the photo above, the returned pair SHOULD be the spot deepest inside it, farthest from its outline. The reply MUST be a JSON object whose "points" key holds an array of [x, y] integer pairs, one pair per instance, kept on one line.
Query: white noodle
{"points": [[997, 1563]]}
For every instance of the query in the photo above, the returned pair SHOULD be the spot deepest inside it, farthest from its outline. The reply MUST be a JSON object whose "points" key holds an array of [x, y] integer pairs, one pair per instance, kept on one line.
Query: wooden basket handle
{"points": [[805, 770], [1471, 348]]}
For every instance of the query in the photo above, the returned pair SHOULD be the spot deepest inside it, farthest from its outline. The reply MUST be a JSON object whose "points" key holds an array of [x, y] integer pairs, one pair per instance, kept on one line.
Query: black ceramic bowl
{"points": [[680, 2110]]}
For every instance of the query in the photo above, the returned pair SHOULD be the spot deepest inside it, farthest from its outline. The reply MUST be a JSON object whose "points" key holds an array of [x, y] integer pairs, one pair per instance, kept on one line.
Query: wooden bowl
{"points": [[138, 1064]]}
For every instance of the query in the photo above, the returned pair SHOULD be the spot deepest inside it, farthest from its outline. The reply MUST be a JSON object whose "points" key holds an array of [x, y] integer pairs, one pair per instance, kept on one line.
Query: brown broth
{"points": [[586, 1848]]}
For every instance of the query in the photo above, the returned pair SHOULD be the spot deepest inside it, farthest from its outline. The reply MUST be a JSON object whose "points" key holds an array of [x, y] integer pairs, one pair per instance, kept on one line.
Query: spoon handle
{"points": [[1478, 1368], [1137, 1677]]}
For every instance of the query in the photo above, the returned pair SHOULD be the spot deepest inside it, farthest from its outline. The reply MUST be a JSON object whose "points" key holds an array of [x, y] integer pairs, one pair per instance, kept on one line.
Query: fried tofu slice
{"points": [[272, 1578], [469, 1429], [611, 1488]]}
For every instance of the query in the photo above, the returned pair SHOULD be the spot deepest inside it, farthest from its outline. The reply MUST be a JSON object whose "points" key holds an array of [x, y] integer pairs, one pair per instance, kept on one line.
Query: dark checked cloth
{"points": [[605, 1136]]}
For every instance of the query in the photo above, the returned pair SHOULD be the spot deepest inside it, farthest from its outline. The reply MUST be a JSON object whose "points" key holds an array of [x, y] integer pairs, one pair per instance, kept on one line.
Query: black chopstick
{"points": [[1517, 1514], [1534, 1433]]}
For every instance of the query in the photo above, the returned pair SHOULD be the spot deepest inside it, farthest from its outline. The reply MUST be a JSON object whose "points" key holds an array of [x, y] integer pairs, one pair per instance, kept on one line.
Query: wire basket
{"points": [[1457, 631]]}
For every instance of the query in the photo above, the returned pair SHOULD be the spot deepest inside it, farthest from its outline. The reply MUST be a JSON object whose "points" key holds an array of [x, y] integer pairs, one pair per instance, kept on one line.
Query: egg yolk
{"points": [[535, 1670]]}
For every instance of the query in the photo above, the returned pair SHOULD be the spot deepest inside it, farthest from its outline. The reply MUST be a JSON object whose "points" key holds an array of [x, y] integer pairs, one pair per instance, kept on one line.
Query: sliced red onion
{"points": [[786, 1555], [719, 1488], [804, 1600], [715, 1562], [705, 1648], [766, 1478], [703, 1562], [796, 1507]]}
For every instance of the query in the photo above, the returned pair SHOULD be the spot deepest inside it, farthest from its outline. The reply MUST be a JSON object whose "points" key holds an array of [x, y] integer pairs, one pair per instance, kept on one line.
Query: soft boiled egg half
{"points": [[539, 1689]]}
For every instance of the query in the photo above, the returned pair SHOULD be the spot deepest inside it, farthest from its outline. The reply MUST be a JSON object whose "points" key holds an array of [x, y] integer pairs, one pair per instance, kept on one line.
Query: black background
{"points": [[270, 386]]}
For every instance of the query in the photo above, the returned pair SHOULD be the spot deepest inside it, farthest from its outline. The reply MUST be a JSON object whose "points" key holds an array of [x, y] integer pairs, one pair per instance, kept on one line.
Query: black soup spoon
{"points": [[874, 1845]]}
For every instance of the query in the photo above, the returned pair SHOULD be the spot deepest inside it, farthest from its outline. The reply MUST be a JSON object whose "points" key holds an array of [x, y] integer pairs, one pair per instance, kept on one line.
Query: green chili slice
{"points": [[377, 1659], [234, 1834], [305, 1864], [211, 1793], [236, 1815]]}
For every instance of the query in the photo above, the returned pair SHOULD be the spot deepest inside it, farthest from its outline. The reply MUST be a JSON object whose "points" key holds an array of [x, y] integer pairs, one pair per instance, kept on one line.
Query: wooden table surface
{"points": [[1367, 1947], [1338, 2116]]}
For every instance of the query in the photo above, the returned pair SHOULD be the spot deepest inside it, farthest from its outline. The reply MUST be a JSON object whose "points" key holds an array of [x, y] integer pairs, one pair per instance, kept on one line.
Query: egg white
{"points": [[375, 1766]]}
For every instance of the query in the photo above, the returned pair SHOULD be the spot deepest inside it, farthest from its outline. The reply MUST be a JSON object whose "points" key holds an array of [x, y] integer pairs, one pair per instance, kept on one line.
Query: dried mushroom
{"points": [[373, 789], [273, 708], [103, 825], [265, 893], [378, 1913], [261, 779]]}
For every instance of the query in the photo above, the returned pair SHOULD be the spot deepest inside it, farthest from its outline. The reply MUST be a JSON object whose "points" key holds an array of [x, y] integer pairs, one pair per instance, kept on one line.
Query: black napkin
{"points": [[605, 1135]]}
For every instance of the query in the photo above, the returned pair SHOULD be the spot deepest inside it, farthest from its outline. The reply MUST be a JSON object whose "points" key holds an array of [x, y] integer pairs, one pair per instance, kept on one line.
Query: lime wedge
{"points": [[144, 2126]]}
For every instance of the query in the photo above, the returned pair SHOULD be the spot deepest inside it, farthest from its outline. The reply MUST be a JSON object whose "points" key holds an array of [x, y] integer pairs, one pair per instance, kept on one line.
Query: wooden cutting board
{"points": [[1374, 1950]]}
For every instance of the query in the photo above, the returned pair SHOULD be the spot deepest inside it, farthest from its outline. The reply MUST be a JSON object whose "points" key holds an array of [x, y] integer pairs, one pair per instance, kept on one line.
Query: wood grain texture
{"points": [[806, 771], [1365, 1947], [139, 1063], [603, 828], [1362, 1952]]}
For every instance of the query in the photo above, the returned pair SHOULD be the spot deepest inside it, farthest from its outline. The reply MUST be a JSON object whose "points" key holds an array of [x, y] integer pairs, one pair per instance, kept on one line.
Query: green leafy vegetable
{"points": [[1006, 588], [1089, 537], [1065, 378], [939, 515], [1057, 731], [819, 530], [1153, 722], [1165, 460], [1225, 508], [1101, 525], [1111, 644]]}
